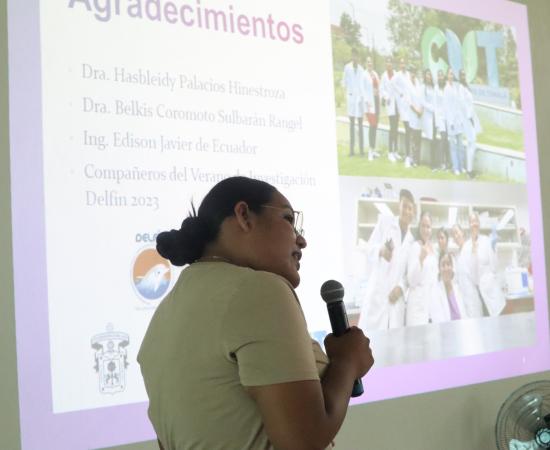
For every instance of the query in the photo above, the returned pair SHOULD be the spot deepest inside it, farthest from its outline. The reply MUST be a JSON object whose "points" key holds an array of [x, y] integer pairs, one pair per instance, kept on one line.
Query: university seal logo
{"points": [[111, 360]]}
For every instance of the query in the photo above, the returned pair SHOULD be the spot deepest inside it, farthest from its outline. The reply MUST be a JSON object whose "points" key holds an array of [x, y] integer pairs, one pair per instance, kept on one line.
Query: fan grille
{"points": [[523, 414]]}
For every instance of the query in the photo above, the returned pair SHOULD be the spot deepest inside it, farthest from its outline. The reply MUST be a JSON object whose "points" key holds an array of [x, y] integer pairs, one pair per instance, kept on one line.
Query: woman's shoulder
{"points": [[263, 280], [236, 283], [265, 293], [238, 274], [240, 277]]}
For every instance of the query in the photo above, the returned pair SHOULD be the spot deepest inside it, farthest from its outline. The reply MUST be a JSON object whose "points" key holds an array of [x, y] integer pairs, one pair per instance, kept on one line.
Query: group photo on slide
{"points": [[439, 274], [422, 93], [424, 262]]}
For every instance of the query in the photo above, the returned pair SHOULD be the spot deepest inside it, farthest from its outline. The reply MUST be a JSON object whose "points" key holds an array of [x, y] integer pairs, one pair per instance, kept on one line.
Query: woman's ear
{"points": [[243, 216]]}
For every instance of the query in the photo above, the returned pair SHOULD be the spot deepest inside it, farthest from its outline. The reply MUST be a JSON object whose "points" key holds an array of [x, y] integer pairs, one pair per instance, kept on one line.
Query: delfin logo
{"points": [[151, 275]]}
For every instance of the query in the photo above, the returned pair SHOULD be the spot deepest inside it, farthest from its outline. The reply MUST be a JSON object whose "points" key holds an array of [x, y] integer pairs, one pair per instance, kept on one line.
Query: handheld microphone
{"points": [[332, 292]]}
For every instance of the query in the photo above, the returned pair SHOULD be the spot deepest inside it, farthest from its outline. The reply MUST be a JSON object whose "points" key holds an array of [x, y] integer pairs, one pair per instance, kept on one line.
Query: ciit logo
{"points": [[151, 275]]}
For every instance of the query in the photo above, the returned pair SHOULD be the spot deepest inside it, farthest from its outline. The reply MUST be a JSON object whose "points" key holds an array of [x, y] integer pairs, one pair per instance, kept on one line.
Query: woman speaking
{"points": [[227, 359]]}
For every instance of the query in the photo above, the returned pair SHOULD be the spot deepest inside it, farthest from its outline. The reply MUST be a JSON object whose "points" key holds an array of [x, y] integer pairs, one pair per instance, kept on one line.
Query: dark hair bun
{"points": [[185, 245]]}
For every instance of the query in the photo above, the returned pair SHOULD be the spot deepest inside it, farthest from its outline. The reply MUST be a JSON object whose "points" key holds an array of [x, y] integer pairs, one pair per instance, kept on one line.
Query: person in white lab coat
{"points": [[463, 272], [352, 81], [388, 95], [387, 251], [472, 125], [482, 260], [442, 241], [446, 301], [372, 105], [443, 158], [421, 274], [429, 101], [454, 120], [401, 83], [416, 108]]}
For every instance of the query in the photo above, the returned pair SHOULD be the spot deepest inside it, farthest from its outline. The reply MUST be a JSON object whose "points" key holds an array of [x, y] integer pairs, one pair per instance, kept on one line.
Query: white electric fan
{"points": [[523, 421]]}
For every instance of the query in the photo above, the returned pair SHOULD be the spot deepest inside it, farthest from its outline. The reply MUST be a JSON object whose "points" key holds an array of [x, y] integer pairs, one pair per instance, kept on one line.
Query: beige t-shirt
{"points": [[221, 328]]}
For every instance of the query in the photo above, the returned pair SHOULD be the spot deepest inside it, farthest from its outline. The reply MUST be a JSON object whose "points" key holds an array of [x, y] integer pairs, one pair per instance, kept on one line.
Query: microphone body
{"points": [[332, 293], [338, 317]]}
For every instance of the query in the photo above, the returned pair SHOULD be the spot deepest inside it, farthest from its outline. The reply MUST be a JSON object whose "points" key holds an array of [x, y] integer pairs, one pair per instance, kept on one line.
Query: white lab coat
{"points": [[429, 105], [388, 93], [440, 310], [415, 98], [352, 81], [421, 279], [401, 83], [439, 110], [453, 109], [483, 274], [466, 284], [472, 126], [368, 87], [377, 312]]}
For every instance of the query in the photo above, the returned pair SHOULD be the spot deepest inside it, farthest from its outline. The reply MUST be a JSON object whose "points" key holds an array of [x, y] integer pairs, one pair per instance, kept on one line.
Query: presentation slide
{"points": [[404, 131]]}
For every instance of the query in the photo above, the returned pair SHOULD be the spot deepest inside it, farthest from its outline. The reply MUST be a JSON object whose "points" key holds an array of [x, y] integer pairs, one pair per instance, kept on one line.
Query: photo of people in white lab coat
{"points": [[421, 274], [388, 251], [388, 95], [434, 270], [447, 302], [371, 83], [434, 112], [353, 83], [429, 139], [420, 277]]}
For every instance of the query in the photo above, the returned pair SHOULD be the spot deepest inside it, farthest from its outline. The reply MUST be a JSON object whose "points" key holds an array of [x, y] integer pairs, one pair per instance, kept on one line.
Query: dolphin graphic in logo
{"points": [[154, 283]]}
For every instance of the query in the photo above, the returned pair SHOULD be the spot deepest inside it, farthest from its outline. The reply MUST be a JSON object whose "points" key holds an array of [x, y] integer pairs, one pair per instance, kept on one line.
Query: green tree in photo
{"points": [[405, 27], [508, 61], [351, 30]]}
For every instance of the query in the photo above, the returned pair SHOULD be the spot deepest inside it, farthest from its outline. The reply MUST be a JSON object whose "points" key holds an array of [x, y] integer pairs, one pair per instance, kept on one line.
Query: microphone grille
{"points": [[331, 291]]}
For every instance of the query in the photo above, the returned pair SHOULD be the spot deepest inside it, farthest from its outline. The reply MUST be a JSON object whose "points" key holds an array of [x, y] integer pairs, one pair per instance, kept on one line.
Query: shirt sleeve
{"points": [[376, 240], [265, 332]]}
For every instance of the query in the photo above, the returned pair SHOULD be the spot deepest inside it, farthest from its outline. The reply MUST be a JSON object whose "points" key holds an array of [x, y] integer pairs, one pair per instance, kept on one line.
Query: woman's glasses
{"points": [[297, 219]]}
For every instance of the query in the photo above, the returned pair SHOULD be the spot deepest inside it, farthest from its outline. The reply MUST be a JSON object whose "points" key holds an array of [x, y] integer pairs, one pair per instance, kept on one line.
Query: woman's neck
{"points": [[213, 258], [215, 252]]}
